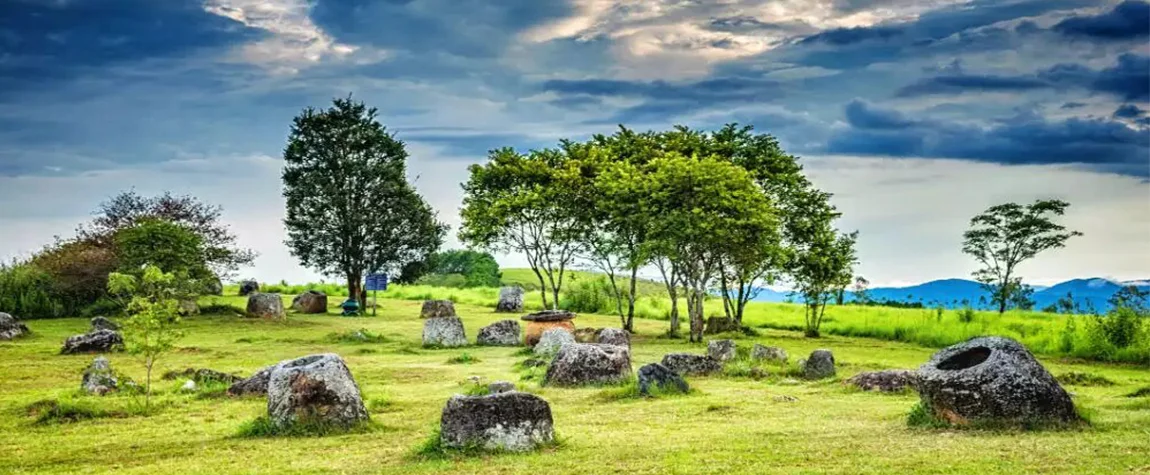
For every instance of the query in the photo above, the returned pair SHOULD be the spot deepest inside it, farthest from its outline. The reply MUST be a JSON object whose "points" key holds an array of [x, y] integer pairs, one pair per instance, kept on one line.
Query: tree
{"points": [[822, 259], [163, 244], [153, 317], [701, 208], [350, 209], [479, 269], [220, 251], [524, 203], [860, 290], [1006, 235]]}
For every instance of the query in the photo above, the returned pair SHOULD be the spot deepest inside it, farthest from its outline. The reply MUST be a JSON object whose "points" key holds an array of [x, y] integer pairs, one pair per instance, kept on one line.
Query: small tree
{"points": [[1006, 235], [822, 259], [153, 317], [350, 209], [860, 290]]}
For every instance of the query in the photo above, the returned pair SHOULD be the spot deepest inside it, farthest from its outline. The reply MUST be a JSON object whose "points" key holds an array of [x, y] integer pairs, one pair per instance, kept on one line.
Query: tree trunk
{"points": [[355, 289], [630, 326], [148, 385]]}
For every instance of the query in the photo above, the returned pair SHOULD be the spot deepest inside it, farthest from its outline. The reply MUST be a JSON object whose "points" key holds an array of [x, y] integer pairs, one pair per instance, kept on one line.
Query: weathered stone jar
{"points": [[991, 379], [539, 322]]}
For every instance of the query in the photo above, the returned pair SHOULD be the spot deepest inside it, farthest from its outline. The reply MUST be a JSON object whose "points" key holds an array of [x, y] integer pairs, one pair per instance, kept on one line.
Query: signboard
{"points": [[376, 282]]}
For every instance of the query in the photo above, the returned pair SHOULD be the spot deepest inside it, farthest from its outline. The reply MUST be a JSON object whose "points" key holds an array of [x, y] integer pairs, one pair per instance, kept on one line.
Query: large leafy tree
{"points": [[1004, 236], [164, 244], [700, 209], [220, 252], [525, 203], [350, 209]]}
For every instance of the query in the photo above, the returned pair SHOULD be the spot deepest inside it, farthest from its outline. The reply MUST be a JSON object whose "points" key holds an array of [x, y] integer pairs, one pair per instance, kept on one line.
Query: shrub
{"points": [[464, 358], [1122, 327], [24, 292]]}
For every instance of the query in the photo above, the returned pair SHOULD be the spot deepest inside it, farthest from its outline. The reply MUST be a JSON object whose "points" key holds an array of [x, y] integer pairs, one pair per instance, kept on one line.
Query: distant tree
{"points": [[1021, 297], [1066, 304], [153, 318], [1131, 297], [479, 269], [525, 203], [1006, 235], [350, 209], [77, 272], [221, 253], [860, 290]]}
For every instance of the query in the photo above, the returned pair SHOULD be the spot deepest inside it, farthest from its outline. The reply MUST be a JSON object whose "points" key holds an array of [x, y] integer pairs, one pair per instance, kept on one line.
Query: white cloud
{"points": [[657, 39], [295, 41]]}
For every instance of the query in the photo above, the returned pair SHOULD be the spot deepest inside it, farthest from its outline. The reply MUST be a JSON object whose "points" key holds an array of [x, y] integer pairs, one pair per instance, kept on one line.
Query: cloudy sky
{"points": [[917, 114]]}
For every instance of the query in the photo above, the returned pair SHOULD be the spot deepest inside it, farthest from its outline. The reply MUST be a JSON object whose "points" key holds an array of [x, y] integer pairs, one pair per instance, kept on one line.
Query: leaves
{"points": [[350, 209]]}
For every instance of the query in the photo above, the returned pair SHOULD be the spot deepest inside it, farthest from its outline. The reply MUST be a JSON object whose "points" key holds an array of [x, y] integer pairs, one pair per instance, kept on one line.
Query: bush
{"points": [[1122, 327], [24, 292], [591, 296]]}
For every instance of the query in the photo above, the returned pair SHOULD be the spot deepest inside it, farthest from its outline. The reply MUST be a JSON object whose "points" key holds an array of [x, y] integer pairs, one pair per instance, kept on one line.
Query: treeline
{"points": [[179, 234], [727, 209]]}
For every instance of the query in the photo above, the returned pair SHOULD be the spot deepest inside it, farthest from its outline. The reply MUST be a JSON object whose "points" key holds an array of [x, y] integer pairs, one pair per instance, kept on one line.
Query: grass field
{"points": [[1045, 333], [729, 425]]}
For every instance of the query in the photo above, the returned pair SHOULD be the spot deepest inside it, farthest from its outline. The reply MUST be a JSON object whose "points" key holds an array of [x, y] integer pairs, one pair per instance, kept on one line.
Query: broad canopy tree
{"points": [[525, 203], [1004, 236], [350, 209]]}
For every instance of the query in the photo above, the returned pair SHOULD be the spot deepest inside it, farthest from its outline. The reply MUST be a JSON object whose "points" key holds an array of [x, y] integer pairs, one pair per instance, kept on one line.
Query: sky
{"points": [[916, 114]]}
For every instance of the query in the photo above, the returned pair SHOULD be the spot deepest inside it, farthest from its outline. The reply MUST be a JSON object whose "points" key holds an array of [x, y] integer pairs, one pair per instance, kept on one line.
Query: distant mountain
{"points": [[1089, 294]]}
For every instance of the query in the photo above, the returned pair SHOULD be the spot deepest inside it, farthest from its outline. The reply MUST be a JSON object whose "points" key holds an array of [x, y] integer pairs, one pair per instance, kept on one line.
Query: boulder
{"points": [[511, 421], [510, 299], [579, 364], [821, 364], [11, 328], [314, 389], [99, 341], [214, 287], [552, 340], [500, 387], [437, 309], [720, 325], [887, 381], [586, 335], [266, 306], [248, 287], [99, 378], [188, 307], [689, 364], [540, 322], [312, 301], [992, 379], [661, 378], [614, 336], [101, 323], [203, 375], [257, 384], [721, 350], [501, 333], [444, 332], [769, 353]]}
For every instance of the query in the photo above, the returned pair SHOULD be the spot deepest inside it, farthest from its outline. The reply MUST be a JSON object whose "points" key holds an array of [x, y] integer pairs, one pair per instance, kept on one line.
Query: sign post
{"points": [[373, 283]]}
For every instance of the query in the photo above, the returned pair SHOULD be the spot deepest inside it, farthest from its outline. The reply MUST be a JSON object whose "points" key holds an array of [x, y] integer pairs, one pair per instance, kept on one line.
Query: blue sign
{"points": [[376, 282]]}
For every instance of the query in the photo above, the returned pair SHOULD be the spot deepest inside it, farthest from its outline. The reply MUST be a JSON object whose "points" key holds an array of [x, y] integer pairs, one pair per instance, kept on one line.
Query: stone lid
{"points": [[549, 316]]}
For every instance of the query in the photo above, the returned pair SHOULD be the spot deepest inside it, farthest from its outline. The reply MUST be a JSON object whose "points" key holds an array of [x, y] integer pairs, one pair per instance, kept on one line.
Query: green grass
{"points": [[463, 358], [262, 426], [728, 425]]}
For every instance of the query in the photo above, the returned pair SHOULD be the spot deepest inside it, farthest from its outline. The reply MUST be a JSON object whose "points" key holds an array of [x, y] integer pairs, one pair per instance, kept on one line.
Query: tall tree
{"points": [[1004, 236], [701, 208], [350, 209], [525, 203], [125, 210]]}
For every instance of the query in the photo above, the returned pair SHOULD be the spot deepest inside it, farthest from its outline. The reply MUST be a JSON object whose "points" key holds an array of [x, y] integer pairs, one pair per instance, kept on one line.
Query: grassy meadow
{"points": [[726, 425]]}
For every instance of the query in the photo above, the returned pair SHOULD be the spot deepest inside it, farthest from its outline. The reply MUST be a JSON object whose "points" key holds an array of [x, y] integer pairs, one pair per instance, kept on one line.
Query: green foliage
{"points": [[966, 314], [589, 296], [525, 203], [821, 259], [262, 427], [1121, 328], [1006, 235], [350, 209], [128, 209], [78, 272], [25, 292], [69, 410], [356, 337], [1140, 392], [464, 358], [164, 244], [153, 316], [478, 268]]}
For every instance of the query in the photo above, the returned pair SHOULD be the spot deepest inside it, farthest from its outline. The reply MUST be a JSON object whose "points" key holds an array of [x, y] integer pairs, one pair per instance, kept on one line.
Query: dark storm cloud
{"points": [[1128, 79], [1026, 138], [1128, 111], [1127, 20]]}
